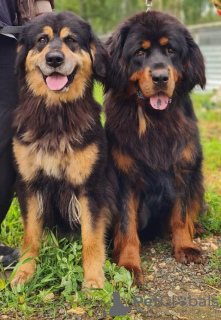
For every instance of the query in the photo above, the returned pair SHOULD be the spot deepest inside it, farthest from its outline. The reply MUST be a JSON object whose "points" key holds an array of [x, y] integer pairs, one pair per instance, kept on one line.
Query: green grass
{"points": [[98, 93], [57, 283], [212, 218], [210, 131], [212, 279], [216, 260], [12, 228], [99, 96], [59, 274]]}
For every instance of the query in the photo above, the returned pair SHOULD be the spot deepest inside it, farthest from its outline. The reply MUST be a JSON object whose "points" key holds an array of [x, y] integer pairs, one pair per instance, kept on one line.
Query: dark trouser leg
{"points": [[7, 178], [8, 101]]}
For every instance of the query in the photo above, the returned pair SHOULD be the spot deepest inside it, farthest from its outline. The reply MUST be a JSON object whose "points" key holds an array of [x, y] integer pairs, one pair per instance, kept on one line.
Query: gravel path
{"points": [[184, 285], [180, 285]]}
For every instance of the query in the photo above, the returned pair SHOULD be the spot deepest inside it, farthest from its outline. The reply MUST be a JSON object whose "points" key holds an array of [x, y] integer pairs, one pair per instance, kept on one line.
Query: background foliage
{"points": [[104, 15]]}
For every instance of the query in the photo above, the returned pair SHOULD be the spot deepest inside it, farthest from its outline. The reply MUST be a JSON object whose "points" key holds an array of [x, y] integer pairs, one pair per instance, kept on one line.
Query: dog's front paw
{"points": [[94, 284], [24, 273], [137, 272], [138, 278], [186, 255], [93, 279]]}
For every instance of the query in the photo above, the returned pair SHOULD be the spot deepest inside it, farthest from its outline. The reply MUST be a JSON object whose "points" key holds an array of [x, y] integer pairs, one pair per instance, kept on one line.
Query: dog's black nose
{"points": [[160, 77], [54, 59]]}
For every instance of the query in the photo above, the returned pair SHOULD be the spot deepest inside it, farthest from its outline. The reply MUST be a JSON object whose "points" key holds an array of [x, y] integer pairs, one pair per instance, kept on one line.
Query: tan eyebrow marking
{"points": [[65, 32], [49, 31], [146, 44], [163, 41]]}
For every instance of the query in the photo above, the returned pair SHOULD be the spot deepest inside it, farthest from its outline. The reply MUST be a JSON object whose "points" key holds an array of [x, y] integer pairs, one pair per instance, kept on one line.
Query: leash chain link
{"points": [[149, 5]]}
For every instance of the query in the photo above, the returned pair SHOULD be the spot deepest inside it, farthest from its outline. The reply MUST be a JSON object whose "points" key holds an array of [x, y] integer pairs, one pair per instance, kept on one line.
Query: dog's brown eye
{"points": [[140, 53], [70, 40], [42, 40], [170, 50]]}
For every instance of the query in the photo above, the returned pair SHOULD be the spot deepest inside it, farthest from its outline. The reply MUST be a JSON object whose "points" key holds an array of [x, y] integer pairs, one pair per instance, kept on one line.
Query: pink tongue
{"points": [[56, 82], [159, 101]]}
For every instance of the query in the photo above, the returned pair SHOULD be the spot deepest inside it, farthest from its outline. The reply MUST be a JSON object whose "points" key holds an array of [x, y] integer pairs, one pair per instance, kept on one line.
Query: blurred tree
{"points": [[104, 15]]}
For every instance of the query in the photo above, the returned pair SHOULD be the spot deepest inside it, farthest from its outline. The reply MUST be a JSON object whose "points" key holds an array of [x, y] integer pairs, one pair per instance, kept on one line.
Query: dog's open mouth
{"points": [[159, 101], [57, 81]]}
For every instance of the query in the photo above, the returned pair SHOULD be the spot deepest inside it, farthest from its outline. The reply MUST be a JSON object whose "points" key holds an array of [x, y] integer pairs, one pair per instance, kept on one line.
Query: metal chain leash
{"points": [[149, 5]]}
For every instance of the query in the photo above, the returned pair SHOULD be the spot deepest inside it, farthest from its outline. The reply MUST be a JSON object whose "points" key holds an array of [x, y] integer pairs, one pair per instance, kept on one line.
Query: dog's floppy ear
{"points": [[194, 69], [21, 55], [100, 59], [117, 77]]}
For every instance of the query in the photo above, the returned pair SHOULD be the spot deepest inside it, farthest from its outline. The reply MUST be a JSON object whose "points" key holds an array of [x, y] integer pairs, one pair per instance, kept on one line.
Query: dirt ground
{"points": [[183, 283], [181, 286]]}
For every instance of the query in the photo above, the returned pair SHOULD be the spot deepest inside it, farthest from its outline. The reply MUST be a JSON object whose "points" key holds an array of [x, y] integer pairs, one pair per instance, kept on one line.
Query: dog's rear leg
{"points": [[93, 251], [31, 241], [183, 229], [126, 251]]}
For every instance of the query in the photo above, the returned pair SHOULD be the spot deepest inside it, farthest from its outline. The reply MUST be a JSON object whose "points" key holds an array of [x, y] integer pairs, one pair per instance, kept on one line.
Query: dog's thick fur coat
{"points": [[59, 143], [153, 136]]}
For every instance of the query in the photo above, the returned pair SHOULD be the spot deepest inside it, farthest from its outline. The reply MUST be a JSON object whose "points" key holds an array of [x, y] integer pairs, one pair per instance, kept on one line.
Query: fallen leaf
{"points": [[195, 291], [49, 296], [162, 265], [178, 315], [78, 310], [213, 247], [171, 294]]}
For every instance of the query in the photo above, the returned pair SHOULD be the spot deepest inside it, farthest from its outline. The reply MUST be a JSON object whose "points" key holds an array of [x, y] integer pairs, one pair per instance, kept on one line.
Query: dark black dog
{"points": [[59, 144], [153, 135]]}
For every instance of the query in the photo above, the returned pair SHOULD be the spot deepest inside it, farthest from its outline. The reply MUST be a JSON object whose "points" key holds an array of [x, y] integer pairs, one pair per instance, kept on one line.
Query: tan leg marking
{"points": [[32, 239], [182, 234], [93, 247], [126, 251]]}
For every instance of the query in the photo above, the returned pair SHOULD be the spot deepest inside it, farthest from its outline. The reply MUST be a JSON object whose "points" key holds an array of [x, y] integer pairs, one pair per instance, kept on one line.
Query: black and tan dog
{"points": [[59, 144], [153, 136]]}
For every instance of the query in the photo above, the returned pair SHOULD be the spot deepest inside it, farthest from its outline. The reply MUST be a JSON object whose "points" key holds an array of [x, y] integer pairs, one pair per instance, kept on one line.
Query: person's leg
{"points": [[7, 179], [8, 101]]}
